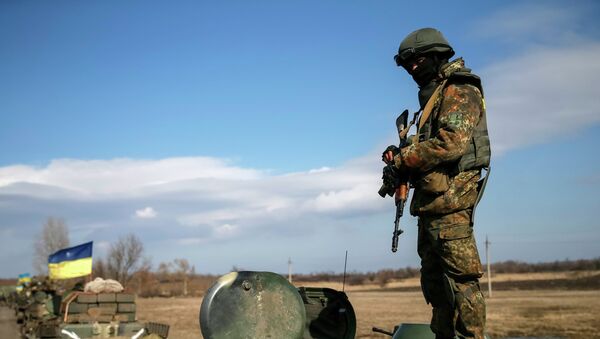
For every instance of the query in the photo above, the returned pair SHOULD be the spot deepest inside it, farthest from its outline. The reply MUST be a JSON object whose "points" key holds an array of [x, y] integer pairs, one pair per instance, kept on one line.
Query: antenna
{"points": [[290, 269], [487, 259], [345, 262]]}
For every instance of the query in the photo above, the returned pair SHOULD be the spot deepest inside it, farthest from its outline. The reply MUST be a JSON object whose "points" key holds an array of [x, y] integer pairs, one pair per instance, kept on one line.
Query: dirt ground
{"points": [[8, 323], [566, 314]]}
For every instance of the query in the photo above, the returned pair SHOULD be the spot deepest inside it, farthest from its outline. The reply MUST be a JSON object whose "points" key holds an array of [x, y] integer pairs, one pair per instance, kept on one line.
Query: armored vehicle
{"points": [[88, 315], [264, 305]]}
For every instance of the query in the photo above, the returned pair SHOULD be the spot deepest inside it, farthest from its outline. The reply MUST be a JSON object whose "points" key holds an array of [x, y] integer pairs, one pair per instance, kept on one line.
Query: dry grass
{"points": [[559, 313], [539, 276], [569, 314], [180, 313], [386, 310], [497, 278]]}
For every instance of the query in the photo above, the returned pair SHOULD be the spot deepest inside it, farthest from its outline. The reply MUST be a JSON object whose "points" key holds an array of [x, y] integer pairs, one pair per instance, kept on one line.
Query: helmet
{"points": [[424, 40]]}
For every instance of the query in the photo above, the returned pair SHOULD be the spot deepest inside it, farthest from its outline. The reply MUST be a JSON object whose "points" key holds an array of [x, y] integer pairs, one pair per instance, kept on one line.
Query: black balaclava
{"points": [[426, 71], [426, 92], [426, 75]]}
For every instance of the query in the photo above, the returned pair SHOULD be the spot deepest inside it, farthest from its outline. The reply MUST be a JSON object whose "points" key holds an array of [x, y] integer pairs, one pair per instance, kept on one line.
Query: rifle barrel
{"points": [[397, 230]]}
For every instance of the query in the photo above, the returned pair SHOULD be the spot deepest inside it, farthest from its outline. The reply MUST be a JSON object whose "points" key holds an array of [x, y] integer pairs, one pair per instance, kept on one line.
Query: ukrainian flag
{"points": [[71, 262], [24, 278]]}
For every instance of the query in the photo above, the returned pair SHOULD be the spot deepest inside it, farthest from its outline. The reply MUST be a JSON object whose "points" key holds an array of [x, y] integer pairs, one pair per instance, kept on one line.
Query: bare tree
{"points": [[125, 258], [163, 272], [99, 268], [183, 269], [142, 280], [54, 236]]}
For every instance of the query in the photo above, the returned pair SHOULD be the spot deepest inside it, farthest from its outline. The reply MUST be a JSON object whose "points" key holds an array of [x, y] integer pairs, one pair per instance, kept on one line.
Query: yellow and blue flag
{"points": [[24, 278], [71, 262]]}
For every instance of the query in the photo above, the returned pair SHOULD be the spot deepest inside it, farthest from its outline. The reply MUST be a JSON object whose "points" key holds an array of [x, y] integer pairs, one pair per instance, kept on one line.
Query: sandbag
{"points": [[100, 285]]}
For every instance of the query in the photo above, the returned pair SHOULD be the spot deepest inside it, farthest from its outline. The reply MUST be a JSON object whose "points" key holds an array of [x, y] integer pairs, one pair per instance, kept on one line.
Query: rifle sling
{"points": [[430, 105]]}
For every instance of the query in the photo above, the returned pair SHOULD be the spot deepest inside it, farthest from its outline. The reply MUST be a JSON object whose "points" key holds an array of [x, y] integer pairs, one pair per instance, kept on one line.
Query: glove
{"points": [[389, 155], [390, 180]]}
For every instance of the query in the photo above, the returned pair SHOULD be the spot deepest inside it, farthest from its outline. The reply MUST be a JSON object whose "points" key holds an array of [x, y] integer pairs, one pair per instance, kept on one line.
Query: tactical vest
{"points": [[478, 152]]}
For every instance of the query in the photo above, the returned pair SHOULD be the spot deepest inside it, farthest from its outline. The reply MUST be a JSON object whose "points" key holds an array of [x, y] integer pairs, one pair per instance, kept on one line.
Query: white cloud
{"points": [[191, 241], [546, 86], [322, 169], [103, 245], [357, 197], [96, 177], [202, 195], [146, 213], [226, 231], [542, 95]]}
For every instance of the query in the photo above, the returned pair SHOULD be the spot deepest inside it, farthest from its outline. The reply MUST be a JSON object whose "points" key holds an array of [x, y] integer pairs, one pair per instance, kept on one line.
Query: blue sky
{"points": [[243, 133]]}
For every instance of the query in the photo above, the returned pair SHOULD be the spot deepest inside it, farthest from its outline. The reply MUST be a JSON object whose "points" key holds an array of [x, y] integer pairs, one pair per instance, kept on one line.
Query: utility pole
{"points": [[487, 259], [290, 269], [345, 262]]}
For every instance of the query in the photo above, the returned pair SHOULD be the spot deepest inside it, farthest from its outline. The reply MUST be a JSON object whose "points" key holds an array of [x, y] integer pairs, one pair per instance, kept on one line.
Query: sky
{"points": [[238, 133]]}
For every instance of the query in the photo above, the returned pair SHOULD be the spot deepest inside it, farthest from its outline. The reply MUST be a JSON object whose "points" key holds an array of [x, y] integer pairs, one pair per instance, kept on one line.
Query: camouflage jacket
{"points": [[444, 139]]}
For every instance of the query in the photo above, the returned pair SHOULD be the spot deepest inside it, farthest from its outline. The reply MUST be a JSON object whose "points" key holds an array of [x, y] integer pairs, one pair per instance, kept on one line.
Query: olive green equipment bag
{"points": [[329, 314]]}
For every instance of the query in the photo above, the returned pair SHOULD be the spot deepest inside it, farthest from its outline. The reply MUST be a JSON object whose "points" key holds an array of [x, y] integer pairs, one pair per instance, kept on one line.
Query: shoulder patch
{"points": [[454, 118]]}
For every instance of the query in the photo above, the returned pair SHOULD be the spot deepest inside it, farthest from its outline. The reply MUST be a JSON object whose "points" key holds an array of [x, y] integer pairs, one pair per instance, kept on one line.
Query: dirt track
{"points": [[8, 323]]}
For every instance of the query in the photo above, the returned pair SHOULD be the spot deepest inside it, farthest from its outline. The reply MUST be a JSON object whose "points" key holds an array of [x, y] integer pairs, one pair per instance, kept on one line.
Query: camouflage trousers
{"points": [[450, 272]]}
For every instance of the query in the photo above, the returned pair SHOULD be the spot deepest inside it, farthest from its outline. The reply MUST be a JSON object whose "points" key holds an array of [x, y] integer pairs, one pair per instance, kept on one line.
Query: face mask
{"points": [[425, 93], [425, 72]]}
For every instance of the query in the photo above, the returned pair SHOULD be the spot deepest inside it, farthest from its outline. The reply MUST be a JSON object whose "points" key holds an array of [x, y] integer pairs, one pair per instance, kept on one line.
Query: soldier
{"points": [[444, 162]]}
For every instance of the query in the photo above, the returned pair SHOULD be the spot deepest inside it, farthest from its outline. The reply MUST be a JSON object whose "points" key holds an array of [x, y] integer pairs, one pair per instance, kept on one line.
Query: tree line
{"points": [[383, 276], [126, 262]]}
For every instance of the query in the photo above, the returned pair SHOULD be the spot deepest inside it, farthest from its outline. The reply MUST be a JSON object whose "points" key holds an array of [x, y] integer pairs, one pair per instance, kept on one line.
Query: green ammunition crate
{"points": [[87, 298], [126, 308], [125, 297], [108, 308], [76, 307], [107, 298]]}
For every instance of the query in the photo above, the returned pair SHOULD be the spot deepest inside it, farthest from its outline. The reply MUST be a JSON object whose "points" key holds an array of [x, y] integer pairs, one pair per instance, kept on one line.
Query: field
{"points": [[551, 309]]}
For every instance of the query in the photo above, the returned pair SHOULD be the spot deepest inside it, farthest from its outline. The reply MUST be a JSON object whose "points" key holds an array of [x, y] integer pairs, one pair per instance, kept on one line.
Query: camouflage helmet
{"points": [[424, 40]]}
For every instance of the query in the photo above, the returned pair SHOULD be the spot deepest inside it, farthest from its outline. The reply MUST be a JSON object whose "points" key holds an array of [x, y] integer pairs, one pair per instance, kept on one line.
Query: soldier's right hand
{"points": [[390, 181], [389, 154]]}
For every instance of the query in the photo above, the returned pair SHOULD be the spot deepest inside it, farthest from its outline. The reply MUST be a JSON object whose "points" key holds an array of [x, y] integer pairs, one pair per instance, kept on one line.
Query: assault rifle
{"points": [[399, 187]]}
